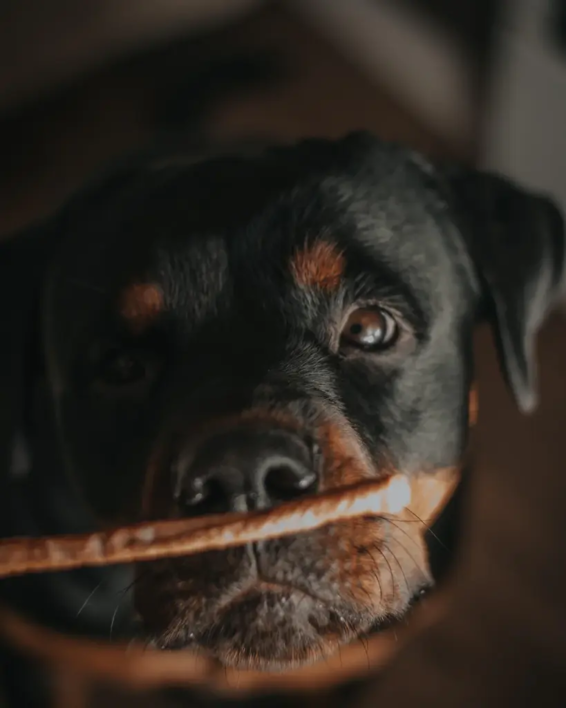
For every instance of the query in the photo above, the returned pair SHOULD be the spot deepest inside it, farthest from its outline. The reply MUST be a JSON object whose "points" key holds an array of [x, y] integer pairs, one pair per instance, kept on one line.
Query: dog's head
{"points": [[229, 334]]}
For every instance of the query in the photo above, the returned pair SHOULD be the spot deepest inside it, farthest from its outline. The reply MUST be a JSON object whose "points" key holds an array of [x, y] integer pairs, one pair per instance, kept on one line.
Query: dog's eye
{"points": [[121, 368], [370, 329]]}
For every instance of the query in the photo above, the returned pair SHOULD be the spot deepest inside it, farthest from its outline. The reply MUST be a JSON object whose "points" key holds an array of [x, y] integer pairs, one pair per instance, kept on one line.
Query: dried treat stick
{"points": [[162, 539]]}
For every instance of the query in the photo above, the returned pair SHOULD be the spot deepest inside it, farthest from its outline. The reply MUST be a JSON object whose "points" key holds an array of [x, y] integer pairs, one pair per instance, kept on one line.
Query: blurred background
{"points": [[483, 81], [83, 83]]}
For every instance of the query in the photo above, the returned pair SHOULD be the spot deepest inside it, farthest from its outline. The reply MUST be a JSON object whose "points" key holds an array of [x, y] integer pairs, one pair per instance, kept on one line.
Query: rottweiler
{"points": [[200, 334]]}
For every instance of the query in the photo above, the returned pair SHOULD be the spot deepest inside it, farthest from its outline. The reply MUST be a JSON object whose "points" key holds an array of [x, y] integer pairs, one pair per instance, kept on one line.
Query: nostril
{"points": [[199, 496], [193, 493], [286, 479]]}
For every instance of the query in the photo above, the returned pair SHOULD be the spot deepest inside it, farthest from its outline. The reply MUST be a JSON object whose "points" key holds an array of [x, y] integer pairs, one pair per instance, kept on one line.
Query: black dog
{"points": [[193, 336]]}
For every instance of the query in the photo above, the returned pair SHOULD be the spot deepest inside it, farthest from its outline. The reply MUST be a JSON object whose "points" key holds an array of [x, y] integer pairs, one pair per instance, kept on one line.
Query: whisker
{"points": [[417, 565], [134, 582], [88, 599], [376, 576], [411, 539], [349, 626], [375, 573], [390, 517], [400, 567], [364, 643], [122, 594], [429, 529], [366, 592], [393, 584], [114, 618]]}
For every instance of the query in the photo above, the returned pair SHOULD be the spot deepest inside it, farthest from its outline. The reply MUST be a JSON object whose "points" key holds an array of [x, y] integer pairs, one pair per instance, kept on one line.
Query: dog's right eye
{"points": [[370, 329], [120, 367]]}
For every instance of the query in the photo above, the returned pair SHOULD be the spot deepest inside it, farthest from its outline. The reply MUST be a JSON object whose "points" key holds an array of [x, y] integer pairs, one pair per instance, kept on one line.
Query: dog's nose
{"points": [[244, 470]]}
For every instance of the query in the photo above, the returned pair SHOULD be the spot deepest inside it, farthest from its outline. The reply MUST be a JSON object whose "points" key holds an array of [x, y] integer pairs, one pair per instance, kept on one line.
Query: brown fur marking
{"points": [[430, 492], [344, 455], [318, 265], [140, 304]]}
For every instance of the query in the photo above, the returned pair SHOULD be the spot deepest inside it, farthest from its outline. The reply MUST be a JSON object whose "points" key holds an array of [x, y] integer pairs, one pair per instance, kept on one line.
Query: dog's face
{"points": [[228, 335]]}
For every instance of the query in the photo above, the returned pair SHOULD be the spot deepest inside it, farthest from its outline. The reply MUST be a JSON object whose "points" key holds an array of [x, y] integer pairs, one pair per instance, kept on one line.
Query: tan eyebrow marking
{"points": [[319, 265], [141, 304]]}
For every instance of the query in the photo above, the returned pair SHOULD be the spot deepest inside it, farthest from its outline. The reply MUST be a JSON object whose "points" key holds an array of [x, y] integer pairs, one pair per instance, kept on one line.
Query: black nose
{"points": [[244, 470]]}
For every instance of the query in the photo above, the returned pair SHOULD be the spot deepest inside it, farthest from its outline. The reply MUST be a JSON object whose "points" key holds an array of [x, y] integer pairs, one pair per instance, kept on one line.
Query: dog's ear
{"points": [[23, 260], [516, 240]]}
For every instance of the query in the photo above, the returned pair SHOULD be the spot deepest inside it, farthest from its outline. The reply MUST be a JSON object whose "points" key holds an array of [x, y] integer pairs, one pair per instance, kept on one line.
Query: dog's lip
{"points": [[390, 621], [262, 585]]}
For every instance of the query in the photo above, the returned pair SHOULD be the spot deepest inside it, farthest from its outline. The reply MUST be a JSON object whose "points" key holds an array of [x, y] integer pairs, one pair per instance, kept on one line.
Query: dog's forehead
{"points": [[319, 227], [195, 228]]}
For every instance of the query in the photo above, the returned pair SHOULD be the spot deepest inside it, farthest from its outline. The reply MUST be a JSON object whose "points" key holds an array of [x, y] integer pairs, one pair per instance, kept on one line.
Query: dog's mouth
{"points": [[265, 626], [252, 616], [280, 604], [270, 627], [275, 627]]}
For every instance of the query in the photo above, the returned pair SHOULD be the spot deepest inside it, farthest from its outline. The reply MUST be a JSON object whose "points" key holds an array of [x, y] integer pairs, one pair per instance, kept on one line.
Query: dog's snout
{"points": [[244, 470]]}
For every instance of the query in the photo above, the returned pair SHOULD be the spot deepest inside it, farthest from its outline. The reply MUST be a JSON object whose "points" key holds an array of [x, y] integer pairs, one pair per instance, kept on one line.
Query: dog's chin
{"points": [[268, 628]]}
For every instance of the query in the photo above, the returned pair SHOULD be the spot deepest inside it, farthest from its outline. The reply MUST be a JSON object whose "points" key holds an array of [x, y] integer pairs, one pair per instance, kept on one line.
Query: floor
{"points": [[49, 149]]}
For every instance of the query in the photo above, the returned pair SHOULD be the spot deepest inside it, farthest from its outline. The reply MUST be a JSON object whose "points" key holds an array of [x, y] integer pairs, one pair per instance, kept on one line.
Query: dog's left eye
{"points": [[121, 368], [370, 329]]}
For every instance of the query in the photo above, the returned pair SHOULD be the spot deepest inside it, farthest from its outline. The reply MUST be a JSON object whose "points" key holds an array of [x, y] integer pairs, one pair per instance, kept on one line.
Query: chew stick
{"points": [[163, 539]]}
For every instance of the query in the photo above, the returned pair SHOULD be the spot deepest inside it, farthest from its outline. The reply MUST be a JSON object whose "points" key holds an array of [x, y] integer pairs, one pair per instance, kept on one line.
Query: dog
{"points": [[203, 335]]}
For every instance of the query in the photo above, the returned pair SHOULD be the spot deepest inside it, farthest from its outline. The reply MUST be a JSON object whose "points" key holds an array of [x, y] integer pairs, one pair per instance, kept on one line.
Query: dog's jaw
{"points": [[268, 606]]}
